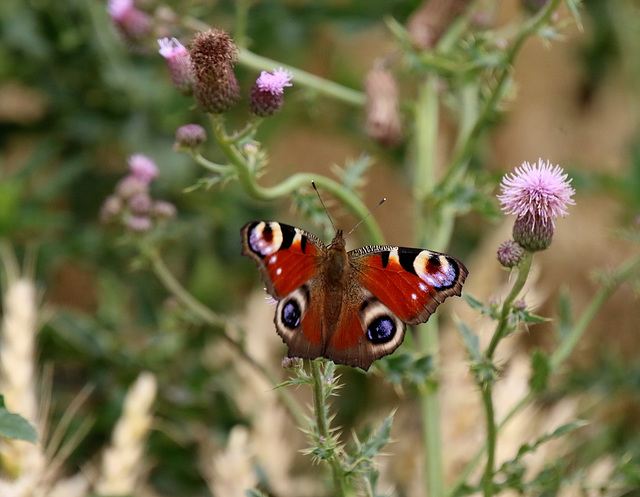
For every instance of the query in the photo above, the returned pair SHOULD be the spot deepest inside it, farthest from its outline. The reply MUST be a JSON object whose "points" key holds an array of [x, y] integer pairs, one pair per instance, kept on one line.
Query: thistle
{"points": [[537, 194]]}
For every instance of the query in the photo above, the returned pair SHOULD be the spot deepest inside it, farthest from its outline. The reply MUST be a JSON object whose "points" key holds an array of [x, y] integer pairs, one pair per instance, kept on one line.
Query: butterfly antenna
{"points": [[313, 183], [365, 217]]}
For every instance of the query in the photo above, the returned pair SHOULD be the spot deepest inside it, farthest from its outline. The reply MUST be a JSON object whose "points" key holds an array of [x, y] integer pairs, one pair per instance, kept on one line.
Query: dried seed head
{"points": [[384, 123], [212, 57]]}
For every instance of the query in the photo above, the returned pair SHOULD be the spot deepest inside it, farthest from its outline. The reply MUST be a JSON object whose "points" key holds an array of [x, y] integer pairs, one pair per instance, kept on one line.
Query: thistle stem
{"points": [[174, 287], [322, 424]]}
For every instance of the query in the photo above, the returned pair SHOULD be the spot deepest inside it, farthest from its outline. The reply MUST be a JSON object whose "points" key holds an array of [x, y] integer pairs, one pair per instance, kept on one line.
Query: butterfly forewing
{"points": [[410, 282], [285, 255]]}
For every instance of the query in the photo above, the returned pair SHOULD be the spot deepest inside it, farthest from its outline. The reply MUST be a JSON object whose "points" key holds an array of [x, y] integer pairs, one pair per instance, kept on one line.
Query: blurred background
{"points": [[76, 99]]}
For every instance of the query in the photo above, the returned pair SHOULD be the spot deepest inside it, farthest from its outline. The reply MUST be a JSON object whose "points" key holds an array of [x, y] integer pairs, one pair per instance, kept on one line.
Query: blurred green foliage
{"points": [[86, 102]]}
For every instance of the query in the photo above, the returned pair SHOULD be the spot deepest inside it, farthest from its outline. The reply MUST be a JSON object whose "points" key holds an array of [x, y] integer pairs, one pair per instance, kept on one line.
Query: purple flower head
{"points": [[118, 9], [541, 191], [131, 21], [266, 95], [143, 168], [274, 82], [536, 194], [138, 224], [179, 63]]}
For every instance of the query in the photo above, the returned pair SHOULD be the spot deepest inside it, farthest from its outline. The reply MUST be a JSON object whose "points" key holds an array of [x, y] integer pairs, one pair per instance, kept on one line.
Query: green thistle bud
{"points": [[531, 235], [510, 254]]}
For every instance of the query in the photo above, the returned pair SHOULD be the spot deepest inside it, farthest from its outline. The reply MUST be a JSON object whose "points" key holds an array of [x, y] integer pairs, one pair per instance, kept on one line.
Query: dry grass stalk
{"points": [[122, 463]]}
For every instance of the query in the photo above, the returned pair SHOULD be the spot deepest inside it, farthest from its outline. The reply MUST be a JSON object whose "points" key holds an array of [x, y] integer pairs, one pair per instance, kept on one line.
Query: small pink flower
{"points": [[131, 21], [266, 95], [172, 48], [143, 168], [274, 82], [179, 64], [540, 191]]}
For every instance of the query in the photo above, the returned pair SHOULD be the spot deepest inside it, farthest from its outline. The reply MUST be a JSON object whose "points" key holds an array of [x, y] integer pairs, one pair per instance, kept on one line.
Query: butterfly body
{"points": [[350, 307]]}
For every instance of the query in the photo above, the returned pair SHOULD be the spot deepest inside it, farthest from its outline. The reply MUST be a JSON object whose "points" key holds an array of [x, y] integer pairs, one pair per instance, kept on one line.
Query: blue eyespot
{"points": [[381, 330], [291, 314]]}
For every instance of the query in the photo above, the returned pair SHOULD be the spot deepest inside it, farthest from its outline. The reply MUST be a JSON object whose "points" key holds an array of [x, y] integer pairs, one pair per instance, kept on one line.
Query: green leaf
{"points": [[557, 433], [405, 367], [252, 492], [471, 340], [475, 304], [574, 8], [564, 322], [541, 371], [377, 440], [16, 427], [526, 316]]}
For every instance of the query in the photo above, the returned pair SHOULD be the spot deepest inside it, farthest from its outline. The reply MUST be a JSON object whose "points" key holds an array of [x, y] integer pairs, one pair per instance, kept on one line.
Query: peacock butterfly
{"points": [[350, 307]]}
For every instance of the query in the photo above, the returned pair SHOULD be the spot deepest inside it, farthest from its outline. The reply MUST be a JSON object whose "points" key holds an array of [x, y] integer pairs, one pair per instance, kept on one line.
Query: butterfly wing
{"points": [[410, 282], [289, 262], [391, 287]]}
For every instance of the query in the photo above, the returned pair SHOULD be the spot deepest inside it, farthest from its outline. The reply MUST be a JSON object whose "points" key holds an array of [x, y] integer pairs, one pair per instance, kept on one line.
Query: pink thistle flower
{"points": [[179, 63], [131, 21], [537, 194], [274, 82], [538, 190], [266, 95], [143, 168]]}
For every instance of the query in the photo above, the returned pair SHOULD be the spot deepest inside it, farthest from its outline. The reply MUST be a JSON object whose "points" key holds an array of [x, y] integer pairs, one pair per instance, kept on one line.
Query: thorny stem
{"points": [[487, 387], [507, 306], [322, 424], [427, 112], [298, 181], [463, 147], [212, 319], [487, 401], [567, 346]]}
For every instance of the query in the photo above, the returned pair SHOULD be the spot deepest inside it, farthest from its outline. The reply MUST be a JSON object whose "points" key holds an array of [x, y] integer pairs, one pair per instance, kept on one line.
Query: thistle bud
{"points": [[179, 64], [531, 235], [212, 55], [189, 136], [427, 24], [510, 254], [384, 123]]}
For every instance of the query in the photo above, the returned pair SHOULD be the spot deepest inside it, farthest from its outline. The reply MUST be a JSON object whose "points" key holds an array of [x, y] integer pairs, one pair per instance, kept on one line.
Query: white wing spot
{"points": [[423, 287], [279, 271], [414, 296], [273, 259]]}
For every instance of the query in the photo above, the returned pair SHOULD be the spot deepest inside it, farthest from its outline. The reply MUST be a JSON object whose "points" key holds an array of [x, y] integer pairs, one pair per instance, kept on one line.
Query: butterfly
{"points": [[350, 307]]}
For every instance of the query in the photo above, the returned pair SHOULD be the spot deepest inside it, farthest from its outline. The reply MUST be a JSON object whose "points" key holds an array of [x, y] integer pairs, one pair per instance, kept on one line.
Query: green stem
{"points": [[463, 148], [246, 176], [174, 287], [487, 401], [427, 115], [569, 343], [322, 424], [207, 164], [562, 352], [303, 78], [503, 324]]}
